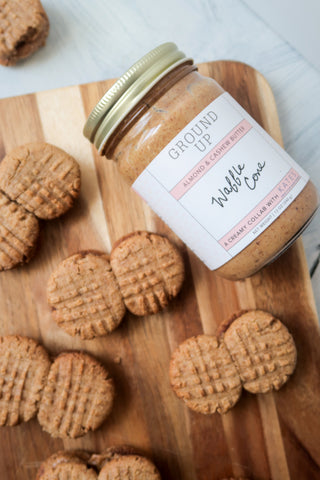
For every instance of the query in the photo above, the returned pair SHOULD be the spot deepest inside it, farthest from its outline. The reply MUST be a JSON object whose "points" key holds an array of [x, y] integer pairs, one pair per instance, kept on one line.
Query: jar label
{"points": [[220, 182]]}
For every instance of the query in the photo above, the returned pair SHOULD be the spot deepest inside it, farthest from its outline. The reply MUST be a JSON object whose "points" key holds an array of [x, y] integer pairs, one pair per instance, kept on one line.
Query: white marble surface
{"points": [[94, 40], [296, 21]]}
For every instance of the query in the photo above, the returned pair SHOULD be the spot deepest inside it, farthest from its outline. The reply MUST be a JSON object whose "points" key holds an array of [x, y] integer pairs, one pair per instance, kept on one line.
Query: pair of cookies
{"points": [[120, 463], [70, 396], [24, 27], [37, 181], [89, 292], [255, 352]]}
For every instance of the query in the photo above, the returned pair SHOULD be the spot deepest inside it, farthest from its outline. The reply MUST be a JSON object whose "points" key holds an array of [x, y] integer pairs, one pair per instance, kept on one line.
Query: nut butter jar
{"points": [[202, 163]]}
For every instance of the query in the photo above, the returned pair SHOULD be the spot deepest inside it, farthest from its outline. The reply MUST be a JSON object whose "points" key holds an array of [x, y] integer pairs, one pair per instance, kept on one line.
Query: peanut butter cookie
{"points": [[262, 349], [24, 366], [19, 231], [204, 376], [66, 466], [24, 27], [149, 270], [116, 463], [84, 295], [97, 460], [42, 178], [77, 397], [255, 351], [129, 467]]}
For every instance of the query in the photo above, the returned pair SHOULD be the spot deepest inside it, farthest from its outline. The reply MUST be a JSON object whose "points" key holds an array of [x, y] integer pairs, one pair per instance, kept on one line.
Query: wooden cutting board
{"points": [[273, 436]]}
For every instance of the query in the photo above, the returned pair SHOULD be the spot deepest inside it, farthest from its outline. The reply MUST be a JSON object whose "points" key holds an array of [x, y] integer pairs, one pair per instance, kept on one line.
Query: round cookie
{"points": [[97, 460], [84, 295], [204, 376], [66, 466], [24, 367], [262, 349], [149, 270], [129, 467], [77, 398], [24, 27], [19, 231], [42, 178]]}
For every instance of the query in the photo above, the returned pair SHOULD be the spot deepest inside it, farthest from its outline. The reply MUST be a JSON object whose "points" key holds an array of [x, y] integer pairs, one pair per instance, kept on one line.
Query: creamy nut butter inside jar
{"points": [[202, 163]]}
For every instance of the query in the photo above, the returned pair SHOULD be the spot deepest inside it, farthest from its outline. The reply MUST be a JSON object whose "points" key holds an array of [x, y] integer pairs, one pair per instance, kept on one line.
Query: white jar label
{"points": [[220, 182]]}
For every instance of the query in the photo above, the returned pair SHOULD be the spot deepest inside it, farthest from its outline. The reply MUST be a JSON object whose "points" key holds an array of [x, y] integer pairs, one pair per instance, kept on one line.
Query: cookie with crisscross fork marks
{"points": [[115, 463], [24, 366], [262, 349], [129, 467], [19, 231], [149, 270], [42, 178], [255, 351], [24, 27], [77, 397], [97, 460], [203, 374], [66, 466], [84, 295]]}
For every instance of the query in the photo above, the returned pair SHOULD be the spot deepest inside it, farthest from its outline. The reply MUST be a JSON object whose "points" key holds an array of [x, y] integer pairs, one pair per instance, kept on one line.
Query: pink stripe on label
{"points": [[215, 154], [263, 209]]}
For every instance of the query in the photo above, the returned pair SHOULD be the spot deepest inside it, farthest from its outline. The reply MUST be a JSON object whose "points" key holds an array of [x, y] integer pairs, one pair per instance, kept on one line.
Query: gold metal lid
{"points": [[131, 87]]}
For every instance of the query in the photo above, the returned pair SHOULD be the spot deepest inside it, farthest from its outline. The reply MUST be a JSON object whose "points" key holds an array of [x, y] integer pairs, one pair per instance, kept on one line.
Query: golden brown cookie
{"points": [[19, 231], [24, 27], [84, 295], [255, 351], [149, 270], [129, 467], [66, 466], [204, 376], [97, 460], [24, 366], [44, 179], [263, 351], [77, 397]]}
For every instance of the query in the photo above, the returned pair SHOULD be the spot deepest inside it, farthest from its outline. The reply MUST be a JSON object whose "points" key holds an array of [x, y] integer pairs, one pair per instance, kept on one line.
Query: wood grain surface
{"points": [[273, 436]]}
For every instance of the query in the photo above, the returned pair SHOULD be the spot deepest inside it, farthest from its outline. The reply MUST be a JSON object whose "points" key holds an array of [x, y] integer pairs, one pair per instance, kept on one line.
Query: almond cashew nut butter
{"points": [[202, 163]]}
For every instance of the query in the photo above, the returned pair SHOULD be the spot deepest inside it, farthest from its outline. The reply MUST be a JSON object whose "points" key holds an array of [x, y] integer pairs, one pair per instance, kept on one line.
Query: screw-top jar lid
{"points": [[131, 87]]}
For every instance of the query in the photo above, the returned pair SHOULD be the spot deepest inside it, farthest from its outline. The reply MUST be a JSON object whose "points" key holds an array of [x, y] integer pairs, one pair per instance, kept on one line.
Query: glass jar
{"points": [[202, 163]]}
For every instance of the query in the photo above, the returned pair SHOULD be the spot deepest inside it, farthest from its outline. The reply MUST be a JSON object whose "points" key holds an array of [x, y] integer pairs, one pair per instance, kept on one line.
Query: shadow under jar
{"points": [[202, 163]]}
